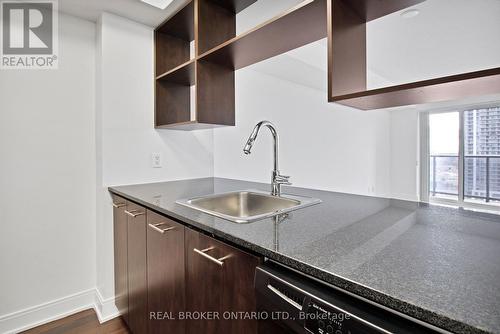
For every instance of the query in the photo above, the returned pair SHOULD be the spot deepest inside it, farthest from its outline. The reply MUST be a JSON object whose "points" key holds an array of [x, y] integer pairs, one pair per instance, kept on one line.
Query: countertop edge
{"points": [[373, 295]]}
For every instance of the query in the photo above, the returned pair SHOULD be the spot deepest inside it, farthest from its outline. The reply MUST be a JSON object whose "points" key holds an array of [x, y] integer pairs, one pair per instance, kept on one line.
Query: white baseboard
{"points": [[57, 309], [405, 197], [105, 308]]}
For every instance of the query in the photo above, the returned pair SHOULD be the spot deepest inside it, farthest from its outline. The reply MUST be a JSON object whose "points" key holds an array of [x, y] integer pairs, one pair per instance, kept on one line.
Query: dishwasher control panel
{"points": [[326, 319], [315, 308]]}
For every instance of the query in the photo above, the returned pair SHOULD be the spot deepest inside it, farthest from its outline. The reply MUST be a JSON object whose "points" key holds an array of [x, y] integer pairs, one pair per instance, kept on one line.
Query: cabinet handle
{"points": [[203, 253], [161, 230], [134, 213], [119, 205]]}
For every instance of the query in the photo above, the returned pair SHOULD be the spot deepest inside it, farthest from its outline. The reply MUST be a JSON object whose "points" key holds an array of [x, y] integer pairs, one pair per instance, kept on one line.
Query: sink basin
{"points": [[247, 205]]}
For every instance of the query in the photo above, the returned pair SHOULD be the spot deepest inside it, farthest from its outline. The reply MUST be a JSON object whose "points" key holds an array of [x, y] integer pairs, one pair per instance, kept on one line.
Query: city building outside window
{"points": [[461, 157]]}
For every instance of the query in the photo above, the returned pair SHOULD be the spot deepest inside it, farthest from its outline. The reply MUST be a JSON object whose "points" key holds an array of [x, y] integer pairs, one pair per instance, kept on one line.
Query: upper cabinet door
{"points": [[166, 279], [392, 53], [137, 271], [219, 279], [120, 255]]}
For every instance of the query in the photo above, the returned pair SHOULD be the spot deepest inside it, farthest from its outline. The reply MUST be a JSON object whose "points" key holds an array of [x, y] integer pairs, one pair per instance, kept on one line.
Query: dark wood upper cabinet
{"points": [[219, 278], [347, 63], [197, 91], [138, 316], [234, 6], [216, 24], [120, 255], [190, 95], [166, 279], [173, 40], [195, 86], [296, 27], [174, 68]]}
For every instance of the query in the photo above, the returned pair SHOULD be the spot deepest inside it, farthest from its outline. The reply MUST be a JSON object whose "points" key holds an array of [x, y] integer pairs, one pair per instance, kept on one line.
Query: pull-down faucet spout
{"points": [[276, 179]]}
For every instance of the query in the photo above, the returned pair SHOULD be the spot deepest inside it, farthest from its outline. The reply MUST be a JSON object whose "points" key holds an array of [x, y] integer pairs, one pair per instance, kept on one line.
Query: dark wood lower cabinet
{"points": [[219, 280], [166, 279], [238, 289], [165, 270], [203, 281], [137, 270], [120, 258]]}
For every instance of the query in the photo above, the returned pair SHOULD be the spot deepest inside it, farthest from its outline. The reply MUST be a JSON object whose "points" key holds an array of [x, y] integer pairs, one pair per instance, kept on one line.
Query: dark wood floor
{"points": [[85, 322]]}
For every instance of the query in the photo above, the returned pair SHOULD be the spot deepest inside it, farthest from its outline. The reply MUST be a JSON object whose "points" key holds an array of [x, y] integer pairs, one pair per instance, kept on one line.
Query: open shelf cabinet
{"points": [[192, 93], [347, 83], [298, 26], [173, 40], [198, 91]]}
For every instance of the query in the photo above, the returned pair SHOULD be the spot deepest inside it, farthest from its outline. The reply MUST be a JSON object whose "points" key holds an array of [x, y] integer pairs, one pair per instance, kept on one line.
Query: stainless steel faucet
{"points": [[276, 179]]}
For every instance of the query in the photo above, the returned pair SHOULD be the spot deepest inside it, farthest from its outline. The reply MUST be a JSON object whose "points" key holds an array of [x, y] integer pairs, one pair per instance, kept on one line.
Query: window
{"points": [[461, 157]]}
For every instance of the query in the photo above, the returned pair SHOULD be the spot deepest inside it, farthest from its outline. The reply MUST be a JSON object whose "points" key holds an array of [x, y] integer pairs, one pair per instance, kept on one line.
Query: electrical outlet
{"points": [[156, 160]]}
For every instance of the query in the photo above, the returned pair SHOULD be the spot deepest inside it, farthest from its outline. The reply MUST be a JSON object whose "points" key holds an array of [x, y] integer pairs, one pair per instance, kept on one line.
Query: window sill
{"points": [[487, 208]]}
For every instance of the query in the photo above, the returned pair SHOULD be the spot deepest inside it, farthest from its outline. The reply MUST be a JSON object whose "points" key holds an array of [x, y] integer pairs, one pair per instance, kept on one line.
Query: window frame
{"points": [[425, 158]]}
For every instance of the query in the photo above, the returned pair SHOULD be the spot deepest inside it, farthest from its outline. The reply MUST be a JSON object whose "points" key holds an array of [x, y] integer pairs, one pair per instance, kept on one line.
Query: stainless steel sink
{"points": [[247, 205]]}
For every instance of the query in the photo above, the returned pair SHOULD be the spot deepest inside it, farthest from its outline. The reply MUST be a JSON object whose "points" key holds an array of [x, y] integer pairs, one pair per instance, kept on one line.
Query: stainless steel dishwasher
{"points": [[289, 302]]}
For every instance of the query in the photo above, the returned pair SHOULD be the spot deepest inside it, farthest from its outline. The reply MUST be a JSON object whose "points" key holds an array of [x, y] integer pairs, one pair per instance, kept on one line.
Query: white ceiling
{"points": [[132, 9]]}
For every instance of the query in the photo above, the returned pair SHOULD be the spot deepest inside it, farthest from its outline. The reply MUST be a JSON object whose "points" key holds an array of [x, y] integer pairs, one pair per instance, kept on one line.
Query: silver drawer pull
{"points": [[203, 253], [134, 213], [285, 298], [119, 205], [161, 230]]}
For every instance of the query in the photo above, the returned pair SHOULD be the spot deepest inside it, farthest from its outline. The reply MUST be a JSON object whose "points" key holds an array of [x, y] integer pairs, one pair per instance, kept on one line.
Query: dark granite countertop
{"points": [[437, 264]]}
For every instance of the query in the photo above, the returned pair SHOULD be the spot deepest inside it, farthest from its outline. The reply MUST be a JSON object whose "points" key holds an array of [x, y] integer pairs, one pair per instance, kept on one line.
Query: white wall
{"points": [[323, 145], [404, 154], [126, 137], [126, 113], [47, 176]]}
